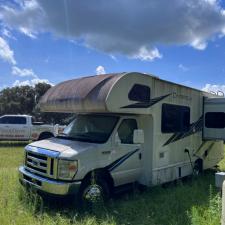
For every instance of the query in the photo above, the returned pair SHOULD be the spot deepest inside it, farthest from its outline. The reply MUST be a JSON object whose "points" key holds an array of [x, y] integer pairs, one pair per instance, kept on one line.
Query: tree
{"points": [[24, 99], [17, 100]]}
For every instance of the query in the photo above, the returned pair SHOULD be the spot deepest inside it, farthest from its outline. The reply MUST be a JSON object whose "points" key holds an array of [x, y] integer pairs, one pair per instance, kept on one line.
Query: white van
{"points": [[129, 127]]}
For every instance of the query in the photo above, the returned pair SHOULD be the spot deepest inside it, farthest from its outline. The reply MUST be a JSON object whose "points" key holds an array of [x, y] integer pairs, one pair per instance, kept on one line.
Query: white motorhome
{"points": [[129, 127]]}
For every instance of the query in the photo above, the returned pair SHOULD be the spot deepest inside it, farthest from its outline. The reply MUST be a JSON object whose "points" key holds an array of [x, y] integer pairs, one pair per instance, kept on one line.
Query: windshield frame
{"points": [[117, 117]]}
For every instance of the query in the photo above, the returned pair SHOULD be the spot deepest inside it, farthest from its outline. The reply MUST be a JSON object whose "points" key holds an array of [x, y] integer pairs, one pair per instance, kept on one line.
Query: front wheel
{"points": [[94, 191]]}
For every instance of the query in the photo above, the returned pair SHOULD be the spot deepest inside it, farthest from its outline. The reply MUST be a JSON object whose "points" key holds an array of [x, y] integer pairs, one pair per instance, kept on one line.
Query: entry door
{"points": [[128, 154], [214, 119]]}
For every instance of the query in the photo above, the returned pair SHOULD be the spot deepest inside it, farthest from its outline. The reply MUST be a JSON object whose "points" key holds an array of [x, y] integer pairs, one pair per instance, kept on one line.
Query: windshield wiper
{"points": [[79, 137]]}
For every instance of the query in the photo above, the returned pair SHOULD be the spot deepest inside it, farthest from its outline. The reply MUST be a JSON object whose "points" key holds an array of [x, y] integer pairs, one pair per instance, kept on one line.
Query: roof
{"points": [[81, 94], [118, 93], [15, 115]]}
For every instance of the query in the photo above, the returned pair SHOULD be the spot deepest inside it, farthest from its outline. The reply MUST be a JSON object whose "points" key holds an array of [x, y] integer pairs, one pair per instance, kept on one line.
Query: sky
{"points": [[52, 41]]}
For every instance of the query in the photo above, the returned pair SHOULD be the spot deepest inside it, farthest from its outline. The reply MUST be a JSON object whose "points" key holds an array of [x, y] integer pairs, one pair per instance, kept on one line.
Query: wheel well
{"points": [[45, 134], [199, 163], [102, 173]]}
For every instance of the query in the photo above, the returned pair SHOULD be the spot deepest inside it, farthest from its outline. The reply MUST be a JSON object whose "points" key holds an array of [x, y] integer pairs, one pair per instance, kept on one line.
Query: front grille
{"points": [[40, 164]]}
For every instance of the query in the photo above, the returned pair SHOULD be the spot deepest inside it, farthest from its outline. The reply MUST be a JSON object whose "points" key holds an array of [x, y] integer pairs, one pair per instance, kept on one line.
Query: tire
{"points": [[45, 136], [197, 170], [94, 192]]}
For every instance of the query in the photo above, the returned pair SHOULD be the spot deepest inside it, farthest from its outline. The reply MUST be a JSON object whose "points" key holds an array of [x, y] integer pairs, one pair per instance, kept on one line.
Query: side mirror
{"points": [[117, 139], [138, 137]]}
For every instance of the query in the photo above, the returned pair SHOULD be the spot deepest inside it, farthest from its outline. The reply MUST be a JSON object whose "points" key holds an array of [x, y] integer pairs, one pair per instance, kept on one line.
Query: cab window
{"points": [[126, 130], [12, 120], [4, 120]]}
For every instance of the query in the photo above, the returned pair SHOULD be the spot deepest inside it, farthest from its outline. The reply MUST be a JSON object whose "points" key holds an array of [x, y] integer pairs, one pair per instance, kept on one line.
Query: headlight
{"points": [[67, 169]]}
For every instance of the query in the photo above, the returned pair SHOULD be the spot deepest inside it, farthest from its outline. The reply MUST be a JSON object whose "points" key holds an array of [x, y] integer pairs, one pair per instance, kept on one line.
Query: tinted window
{"points": [[175, 118], [12, 120], [215, 120], [139, 93], [126, 131], [4, 120]]}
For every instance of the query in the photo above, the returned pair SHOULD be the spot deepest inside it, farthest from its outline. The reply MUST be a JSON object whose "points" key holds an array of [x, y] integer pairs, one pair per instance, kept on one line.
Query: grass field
{"points": [[194, 201]]}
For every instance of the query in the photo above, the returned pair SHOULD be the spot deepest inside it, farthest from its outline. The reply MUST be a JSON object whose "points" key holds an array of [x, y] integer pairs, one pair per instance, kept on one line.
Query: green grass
{"points": [[195, 201]]}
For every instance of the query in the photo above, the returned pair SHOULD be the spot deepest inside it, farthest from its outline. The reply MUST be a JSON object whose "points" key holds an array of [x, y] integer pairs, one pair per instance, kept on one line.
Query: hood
{"points": [[67, 148]]}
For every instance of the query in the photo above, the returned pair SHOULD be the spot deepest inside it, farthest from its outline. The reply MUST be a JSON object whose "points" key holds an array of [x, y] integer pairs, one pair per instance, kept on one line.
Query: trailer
{"points": [[129, 127]]}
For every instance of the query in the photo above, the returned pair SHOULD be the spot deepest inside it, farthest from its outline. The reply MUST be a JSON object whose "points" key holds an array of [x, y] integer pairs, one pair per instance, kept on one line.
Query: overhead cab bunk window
{"points": [[175, 118], [140, 93]]}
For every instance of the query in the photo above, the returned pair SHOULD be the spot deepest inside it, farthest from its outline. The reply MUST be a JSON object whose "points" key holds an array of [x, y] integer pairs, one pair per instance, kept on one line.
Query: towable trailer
{"points": [[129, 127]]}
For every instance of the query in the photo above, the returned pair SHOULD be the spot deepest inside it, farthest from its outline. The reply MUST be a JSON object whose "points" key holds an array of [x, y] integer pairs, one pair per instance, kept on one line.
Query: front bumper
{"points": [[47, 185]]}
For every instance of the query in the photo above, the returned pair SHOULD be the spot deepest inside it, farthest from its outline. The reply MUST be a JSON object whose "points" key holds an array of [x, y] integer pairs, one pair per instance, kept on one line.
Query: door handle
{"points": [[140, 156], [106, 152]]}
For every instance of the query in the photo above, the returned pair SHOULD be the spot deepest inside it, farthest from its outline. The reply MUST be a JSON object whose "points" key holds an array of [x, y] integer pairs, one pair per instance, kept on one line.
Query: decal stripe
{"points": [[146, 104], [119, 161], [194, 128]]}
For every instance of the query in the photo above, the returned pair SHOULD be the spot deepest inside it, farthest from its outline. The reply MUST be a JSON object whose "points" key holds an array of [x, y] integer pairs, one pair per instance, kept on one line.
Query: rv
{"points": [[128, 127]]}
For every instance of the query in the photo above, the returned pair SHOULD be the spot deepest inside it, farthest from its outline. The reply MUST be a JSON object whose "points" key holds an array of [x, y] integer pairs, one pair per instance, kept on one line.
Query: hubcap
{"points": [[93, 193]]}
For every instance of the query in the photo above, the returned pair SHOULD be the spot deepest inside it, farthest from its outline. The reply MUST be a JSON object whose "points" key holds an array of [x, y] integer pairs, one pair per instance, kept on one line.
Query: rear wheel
{"points": [[198, 167]]}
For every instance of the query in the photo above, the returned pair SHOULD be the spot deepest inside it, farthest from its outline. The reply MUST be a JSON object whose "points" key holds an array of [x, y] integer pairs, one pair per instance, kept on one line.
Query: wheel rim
{"points": [[93, 193]]}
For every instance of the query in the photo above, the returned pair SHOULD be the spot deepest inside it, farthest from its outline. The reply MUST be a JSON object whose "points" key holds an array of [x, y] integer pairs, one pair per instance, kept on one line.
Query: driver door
{"points": [[127, 164]]}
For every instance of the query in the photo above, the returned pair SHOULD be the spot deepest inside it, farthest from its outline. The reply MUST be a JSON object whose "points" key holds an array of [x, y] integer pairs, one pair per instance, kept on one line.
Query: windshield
{"points": [[90, 128]]}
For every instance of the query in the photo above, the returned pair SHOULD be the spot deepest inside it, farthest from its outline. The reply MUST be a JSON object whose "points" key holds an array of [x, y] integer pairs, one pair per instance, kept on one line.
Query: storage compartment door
{"points": [[214, 119]]}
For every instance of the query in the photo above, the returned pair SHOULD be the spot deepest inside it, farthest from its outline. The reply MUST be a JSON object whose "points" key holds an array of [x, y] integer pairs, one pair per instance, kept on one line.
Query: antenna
{"points": [[213, 92], [220, 93]]}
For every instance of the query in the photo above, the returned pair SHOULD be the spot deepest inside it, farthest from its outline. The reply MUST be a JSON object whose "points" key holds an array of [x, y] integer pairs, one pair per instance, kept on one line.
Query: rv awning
{"points": [[86, 94]]}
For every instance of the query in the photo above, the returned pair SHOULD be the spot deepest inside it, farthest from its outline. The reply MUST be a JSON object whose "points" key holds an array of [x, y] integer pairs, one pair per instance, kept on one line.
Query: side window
{"points": [[4, 120], [19, 120], [126, 130], [215, 120], [12, 120], [175, 118]]}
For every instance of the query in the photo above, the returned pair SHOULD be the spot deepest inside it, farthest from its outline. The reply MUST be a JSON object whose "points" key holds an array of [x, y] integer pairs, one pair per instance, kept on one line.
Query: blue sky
{"points": [[52, 42]]}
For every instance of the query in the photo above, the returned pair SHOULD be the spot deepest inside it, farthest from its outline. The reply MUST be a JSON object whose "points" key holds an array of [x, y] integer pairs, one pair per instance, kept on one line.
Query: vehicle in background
{"points": [[22, 128], [129, 127]]}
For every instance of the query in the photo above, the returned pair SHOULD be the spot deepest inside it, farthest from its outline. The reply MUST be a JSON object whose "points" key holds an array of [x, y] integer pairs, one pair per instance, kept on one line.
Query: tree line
{"points": [[24, 100]]}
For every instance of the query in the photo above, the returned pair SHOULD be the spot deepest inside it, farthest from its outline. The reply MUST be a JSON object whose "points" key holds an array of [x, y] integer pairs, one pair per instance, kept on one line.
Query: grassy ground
{"points": [[194, 201]]}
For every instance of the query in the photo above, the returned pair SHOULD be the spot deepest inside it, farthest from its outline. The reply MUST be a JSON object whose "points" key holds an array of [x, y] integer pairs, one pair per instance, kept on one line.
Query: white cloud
{"points": [[183, 68], [23, 72], [199, 44], [6, 53], [145, 54], [27, 73], [134, 30], [100, 70], [6, 33], [27, 32], [113, 58], [215, 88], [32, 82]]}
